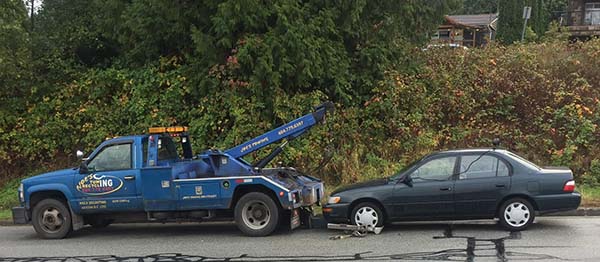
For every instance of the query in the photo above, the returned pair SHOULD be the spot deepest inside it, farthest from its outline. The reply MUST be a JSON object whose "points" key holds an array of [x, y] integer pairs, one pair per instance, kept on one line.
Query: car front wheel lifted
{"points": [[367, 214]]}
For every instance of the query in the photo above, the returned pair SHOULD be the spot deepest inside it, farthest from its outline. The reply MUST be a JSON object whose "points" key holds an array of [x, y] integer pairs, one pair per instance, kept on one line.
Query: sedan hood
{"points": [[370, 183], [58, 173]]}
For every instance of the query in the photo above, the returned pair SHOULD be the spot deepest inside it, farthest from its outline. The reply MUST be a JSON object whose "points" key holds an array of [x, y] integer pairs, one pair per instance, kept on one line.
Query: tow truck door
{"points": [[110, 184]]}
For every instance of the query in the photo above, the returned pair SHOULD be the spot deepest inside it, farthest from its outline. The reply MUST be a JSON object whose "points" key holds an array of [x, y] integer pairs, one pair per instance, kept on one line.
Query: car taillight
{"points": [[569, 186]]}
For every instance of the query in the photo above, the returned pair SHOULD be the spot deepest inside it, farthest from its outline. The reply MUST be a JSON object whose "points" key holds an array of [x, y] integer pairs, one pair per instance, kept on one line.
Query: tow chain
{"points": [[353, 231]]}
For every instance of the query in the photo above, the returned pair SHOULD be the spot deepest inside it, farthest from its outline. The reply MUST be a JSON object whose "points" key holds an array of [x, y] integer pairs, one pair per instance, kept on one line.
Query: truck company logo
{"points": [[95, 185]]}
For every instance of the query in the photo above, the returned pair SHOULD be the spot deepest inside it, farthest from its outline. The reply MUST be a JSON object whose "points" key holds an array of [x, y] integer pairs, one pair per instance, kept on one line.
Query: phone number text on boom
{"points": [[290, 128]]}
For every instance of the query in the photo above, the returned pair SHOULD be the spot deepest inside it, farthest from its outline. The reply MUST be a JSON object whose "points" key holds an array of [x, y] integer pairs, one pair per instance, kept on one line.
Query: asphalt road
{"points": [[550, 239]]}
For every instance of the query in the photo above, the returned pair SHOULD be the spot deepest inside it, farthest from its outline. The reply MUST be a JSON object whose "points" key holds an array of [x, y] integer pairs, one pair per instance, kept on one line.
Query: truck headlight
{"points": [[21, 194], [334, 200]]}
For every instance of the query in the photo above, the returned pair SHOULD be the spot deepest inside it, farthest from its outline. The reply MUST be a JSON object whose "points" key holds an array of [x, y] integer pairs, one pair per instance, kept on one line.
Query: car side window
{"points": [[477, 166], [113, 157], [436, 169]]}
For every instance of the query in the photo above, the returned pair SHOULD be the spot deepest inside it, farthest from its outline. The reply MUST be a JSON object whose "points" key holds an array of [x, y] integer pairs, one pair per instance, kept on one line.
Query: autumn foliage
{"points": [[232, 72]]}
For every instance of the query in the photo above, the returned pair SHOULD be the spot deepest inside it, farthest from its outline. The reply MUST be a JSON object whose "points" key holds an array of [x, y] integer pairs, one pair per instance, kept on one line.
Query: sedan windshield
{"points": [[407, 167]]}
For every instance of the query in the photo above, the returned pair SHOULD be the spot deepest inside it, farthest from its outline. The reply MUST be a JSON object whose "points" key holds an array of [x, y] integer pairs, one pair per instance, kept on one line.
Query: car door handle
{"points": [[129, 177], [445, 188], [500, 185]]}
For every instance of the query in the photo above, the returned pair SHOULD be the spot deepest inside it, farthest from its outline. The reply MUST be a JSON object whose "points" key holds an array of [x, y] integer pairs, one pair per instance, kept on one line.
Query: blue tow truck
{"points": [[155, 177]]}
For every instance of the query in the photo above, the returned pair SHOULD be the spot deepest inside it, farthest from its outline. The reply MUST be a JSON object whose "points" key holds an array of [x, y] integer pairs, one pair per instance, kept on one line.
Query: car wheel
{"points": [[51, 219], [516, 214], [367, 214], [256, 214]]}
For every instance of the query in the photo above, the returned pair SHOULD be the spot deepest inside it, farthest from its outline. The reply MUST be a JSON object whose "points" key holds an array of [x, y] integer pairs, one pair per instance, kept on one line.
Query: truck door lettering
{"points": [[94, 185]]}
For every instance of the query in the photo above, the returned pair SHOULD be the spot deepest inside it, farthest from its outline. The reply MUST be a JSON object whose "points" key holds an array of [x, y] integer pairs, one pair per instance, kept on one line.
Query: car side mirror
{"points": [[407, 180]]}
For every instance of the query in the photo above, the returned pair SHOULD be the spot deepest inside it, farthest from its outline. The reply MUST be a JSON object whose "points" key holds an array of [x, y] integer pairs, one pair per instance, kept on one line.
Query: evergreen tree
{"points": [[511, 19], [469, 7]]}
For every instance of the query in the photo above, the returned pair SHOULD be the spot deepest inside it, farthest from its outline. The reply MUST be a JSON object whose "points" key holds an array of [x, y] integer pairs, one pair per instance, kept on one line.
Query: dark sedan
{"points": [[457, 185]]}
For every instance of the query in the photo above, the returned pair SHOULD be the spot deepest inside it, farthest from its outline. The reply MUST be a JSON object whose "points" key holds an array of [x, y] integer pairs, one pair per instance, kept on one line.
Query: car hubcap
{"points": [[366, 216], [256, 215], [516, 214], [52, 220]]}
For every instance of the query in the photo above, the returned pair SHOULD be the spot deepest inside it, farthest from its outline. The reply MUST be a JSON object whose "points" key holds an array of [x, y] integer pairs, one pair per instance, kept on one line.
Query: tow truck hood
{"points": [[51, 175]]}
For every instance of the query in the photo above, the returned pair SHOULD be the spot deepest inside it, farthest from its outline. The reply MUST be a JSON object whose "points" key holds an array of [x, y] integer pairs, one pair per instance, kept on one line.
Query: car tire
{"points": [[367, 214], [51, 219], [256, 214], [516, 214]]}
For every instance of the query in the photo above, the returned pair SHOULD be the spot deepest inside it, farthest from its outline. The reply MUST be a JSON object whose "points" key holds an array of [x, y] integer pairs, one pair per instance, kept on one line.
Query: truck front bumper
{"points": [[20, 215]]}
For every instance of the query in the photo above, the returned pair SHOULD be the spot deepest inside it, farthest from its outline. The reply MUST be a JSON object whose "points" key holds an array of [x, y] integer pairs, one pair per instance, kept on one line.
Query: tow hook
{"points": [[353, 230]]}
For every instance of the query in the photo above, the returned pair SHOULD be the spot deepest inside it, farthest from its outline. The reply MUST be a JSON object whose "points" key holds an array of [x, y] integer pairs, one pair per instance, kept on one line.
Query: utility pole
{"points": [[526, 16]]}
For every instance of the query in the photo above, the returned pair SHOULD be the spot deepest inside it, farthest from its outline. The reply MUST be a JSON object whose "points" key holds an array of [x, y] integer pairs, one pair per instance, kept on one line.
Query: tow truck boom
{"points": [[288, 131]]}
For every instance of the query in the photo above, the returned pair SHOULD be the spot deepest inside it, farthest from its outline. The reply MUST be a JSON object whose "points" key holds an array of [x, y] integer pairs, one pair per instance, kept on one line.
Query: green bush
{"points": [[112, 68]]}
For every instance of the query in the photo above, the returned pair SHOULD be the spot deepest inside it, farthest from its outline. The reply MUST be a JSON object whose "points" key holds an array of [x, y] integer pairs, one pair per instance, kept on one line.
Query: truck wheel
{"points": [[256, 214], [516, 214], [51, 219]]}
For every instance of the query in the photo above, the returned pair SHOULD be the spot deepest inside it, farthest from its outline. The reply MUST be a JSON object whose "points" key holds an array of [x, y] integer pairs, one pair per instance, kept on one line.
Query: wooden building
{"points": [[583, 18], [467, 30]]}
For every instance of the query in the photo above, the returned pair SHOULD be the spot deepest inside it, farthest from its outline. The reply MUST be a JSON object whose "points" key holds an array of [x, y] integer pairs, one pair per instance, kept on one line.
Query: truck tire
{"points": [[51, 219], [256, 214]]}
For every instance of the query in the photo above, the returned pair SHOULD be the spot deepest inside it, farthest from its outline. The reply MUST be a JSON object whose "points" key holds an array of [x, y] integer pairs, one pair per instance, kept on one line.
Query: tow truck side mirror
{"points": [[79, 154], [83, 169]]}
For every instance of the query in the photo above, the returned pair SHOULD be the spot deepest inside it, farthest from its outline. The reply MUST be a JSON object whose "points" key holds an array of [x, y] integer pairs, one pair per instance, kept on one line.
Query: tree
{"points": [[511, 19], [14, 74], [470, 7], [14, 49]]}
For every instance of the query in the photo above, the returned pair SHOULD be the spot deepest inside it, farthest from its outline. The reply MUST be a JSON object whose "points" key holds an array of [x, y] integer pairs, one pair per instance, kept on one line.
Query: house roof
{"points": [[473, 21]]}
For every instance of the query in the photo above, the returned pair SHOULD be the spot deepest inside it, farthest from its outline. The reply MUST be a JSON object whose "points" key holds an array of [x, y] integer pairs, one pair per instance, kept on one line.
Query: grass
{"points": [[5, 214], [590, 196], [8, 198]]}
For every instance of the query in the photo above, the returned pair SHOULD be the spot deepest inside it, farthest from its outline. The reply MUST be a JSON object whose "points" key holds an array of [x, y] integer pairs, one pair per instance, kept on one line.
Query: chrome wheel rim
{"points": [[52, 220], [256, 215], [517, 214], [366, 216]]}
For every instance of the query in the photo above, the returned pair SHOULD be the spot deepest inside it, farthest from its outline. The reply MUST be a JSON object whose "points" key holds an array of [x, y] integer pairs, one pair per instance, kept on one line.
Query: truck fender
{"points": [[47, 187], [263, 187]]}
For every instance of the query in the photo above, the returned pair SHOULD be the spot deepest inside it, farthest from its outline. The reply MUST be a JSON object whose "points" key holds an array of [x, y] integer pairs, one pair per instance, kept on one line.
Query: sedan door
{"points": [[482, 181], [430, 194]]}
